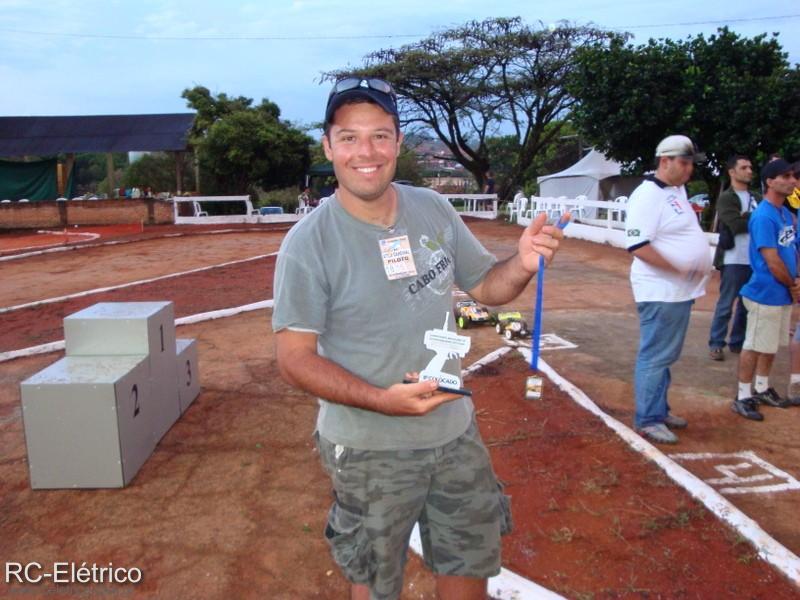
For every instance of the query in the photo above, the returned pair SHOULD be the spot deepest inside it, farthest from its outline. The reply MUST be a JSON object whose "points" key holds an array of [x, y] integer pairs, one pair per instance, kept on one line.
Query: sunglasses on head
{"points": [[351, 83]]}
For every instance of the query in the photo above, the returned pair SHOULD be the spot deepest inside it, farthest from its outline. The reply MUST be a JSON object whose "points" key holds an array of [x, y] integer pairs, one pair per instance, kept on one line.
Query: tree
{"points": [[240, 146], [729, 94], [558, 154], [157, 171], [90, 171], [485, 79]]}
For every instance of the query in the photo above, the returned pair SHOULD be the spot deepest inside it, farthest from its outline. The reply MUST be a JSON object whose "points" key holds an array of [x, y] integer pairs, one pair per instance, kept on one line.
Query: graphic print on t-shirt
{"points": [[675, 204], [786, 236], [434, 269]]}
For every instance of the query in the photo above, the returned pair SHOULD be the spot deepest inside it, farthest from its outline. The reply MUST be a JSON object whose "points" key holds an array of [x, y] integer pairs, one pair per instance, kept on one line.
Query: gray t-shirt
{"points": [[330, 279]]}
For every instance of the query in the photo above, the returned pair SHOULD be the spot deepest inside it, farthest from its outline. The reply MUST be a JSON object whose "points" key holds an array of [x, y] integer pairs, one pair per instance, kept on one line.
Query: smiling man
{"points": [[358, 283]]}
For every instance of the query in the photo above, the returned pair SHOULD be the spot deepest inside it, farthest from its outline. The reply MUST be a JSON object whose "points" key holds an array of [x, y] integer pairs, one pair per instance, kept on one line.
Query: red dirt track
{"points": [[232, 503]]}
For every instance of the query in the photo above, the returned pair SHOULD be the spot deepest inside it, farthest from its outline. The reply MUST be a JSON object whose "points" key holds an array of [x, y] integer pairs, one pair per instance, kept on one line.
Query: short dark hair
{"points": [[733, 159], [327, 125]]}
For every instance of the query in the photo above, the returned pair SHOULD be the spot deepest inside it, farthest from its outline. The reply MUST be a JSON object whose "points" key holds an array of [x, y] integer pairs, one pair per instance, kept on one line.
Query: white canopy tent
{"points": [[593, 176]]}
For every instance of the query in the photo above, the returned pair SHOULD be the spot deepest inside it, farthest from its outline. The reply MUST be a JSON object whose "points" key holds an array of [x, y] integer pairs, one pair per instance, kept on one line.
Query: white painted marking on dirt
{"points": [[767, 547], [225, 312], [505, 586], [547, 341], [85, 237], [146, 239], [131, 284], [32, 350], [751, 461], [206, 316], [482, 362]]}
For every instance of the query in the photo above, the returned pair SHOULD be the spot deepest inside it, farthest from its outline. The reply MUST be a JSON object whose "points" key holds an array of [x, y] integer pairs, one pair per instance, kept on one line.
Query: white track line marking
{"points": [[752, 460], [131, 284], [146, 239], [86, 237], [548, 341], [767, 547]]}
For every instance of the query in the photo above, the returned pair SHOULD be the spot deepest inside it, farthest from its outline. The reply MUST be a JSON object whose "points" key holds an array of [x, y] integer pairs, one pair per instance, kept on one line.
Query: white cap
{"points": [[678, 145]]}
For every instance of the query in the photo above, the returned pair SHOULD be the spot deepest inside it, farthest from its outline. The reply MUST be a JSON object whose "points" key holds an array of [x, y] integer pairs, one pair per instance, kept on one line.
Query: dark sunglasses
{"points": [[351, 83]]}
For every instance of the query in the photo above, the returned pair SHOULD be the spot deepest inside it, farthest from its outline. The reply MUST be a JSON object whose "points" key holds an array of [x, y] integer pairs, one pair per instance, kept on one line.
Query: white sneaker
{"points": [[675, 422], [658, 433]]}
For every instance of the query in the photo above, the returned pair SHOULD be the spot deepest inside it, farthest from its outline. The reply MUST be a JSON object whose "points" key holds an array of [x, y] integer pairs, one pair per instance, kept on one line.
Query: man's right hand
{"points": [[413, 399], [795, 291]]}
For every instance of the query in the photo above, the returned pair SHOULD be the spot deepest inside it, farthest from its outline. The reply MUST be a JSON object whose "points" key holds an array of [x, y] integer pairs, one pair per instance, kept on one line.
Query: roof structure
{"points": [[46, 136], [594, 164], [594, 176]]}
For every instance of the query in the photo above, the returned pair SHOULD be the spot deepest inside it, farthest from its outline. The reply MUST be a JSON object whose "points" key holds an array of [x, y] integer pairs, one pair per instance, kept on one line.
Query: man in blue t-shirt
{"points": [[771, 291]]}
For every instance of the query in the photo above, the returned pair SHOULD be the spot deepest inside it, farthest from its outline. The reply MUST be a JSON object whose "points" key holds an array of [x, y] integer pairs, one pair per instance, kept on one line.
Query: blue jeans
{"points": [[731, 280], [662, 329]]}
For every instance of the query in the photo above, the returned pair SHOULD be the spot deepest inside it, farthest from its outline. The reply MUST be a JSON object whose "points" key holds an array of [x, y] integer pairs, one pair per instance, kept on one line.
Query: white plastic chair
{"points": [[577, 209], [557, 208], [6, 201], [24, 200], [524, 210], [618, 212], [533, 209], [513, 207], [548, 206]]}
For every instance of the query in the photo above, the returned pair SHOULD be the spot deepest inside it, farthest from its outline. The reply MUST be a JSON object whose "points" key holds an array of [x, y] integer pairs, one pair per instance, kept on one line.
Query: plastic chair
{"points": [[578, 209], [557, 208], [618, 212], [513, 208]]}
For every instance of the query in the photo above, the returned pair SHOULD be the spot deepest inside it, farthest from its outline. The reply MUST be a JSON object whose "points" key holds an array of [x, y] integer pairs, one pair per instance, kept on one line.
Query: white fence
{"points": [[201, 217], [482, 206], [600, 221]]}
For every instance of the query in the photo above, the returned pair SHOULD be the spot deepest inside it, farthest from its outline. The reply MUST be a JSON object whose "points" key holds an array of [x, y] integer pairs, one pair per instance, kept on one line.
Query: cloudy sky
{"points": [[61, 57]]}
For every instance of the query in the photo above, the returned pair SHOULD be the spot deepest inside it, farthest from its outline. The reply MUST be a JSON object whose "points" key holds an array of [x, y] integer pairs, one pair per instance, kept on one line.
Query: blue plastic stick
{"points": [[537, 311]]}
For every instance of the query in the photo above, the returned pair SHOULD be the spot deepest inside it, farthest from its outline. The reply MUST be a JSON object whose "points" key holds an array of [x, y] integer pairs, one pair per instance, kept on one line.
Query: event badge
{"points": [[447, 345], [398, 260]]}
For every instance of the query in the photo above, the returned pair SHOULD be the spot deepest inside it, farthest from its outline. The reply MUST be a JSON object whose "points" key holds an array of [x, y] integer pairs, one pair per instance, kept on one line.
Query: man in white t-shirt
{"points": [[733, 211], [671, 263]]}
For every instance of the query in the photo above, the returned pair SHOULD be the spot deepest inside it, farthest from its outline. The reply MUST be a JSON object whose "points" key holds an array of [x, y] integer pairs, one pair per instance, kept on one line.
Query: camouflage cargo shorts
{"points": [[380, 494]]}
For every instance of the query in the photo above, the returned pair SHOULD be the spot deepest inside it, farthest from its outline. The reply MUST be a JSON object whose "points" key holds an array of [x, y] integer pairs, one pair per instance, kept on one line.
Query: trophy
{"points": [[446, 345]]}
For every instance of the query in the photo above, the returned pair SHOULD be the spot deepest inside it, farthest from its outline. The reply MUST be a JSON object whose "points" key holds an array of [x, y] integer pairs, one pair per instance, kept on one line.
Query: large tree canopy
{"points": [[729, 94], [497, 77], [240, 146]]}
